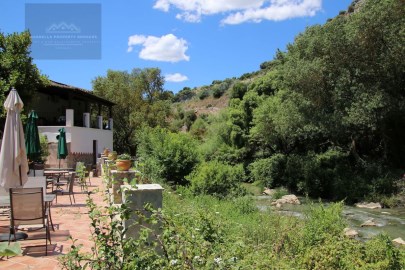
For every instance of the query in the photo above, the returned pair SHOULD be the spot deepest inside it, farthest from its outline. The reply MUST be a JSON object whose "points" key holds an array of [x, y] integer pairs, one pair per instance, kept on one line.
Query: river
{"points": [[389, 221]]}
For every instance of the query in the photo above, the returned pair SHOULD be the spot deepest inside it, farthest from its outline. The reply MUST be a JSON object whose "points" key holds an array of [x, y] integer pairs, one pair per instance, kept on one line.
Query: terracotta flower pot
{"points": [[123, 165], [106, 152]]}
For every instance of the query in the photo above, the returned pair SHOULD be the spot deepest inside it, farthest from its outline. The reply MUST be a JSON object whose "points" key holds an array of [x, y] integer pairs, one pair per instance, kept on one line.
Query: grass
{"points": [[253, 189], [263, 239]]}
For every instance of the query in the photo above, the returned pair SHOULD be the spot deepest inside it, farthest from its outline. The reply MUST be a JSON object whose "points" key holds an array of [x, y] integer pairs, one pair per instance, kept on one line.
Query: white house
{"points": [[86, 118]]}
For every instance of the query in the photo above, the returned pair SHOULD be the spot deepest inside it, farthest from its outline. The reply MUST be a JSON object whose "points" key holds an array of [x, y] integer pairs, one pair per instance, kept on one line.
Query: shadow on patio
{"points": [[69, 220]]}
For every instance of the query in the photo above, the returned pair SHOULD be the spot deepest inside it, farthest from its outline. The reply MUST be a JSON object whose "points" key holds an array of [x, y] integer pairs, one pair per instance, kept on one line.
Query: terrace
{"points": [[69, 220]]}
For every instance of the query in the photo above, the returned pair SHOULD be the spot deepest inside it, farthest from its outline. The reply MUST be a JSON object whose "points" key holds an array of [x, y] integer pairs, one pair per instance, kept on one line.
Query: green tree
{"points": [[150, 81], [17, 68], [140, 100]]}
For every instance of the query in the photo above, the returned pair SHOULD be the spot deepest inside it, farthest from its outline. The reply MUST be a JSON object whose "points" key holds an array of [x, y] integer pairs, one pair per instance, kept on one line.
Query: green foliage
{"points": [[217, 179], [204, 232], [269, 171], [219, 89], [168, 156], [81, 174], [199, 128], [332, 106], [185, 94], [245, 205], [222, 139], [124, 156], [238, 90], [262, 85], [140, 100], [203, 94], [110, 246], [279, 193], [13, 249], [381, 253], [43, 140], [322, 223], [17, 68]]}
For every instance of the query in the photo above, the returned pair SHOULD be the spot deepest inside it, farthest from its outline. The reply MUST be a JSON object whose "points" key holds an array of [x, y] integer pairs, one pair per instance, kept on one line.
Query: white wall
{"points": [[81, 138]]}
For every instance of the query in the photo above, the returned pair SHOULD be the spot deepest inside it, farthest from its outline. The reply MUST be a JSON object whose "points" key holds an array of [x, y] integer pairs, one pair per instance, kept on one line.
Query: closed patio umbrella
{"points": [[32, 144], [13, 157], [62, 147]]}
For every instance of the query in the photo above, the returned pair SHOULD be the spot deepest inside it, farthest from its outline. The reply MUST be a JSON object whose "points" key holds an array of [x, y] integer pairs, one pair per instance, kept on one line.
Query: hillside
{"points": [[202, 100], [210, 99]]}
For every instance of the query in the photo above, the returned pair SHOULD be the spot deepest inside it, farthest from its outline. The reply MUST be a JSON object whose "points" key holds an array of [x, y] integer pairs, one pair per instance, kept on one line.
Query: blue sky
{"points": [[193, 42]]}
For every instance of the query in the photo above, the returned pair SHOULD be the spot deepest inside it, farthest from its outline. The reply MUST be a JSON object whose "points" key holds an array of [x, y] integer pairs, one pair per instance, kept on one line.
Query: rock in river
{"points": [[369, 223], [399, 241], [291, 199], [369, 205], [351, 233]]}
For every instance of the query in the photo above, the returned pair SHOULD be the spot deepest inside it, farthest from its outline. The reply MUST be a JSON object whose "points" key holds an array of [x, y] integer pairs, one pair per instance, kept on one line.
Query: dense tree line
{"points": [[327, 116]]}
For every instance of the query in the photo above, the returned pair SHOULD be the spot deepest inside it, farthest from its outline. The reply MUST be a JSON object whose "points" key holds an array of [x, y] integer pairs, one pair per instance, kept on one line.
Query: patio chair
{"points": [[27, 209], [69, 189]]}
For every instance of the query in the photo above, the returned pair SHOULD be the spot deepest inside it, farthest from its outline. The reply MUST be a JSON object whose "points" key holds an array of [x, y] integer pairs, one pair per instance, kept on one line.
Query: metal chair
{"points": [[27, 208], [69, 189]]}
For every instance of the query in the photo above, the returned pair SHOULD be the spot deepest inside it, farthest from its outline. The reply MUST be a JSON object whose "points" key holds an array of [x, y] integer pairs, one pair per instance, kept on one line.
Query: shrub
{"points": [[198, 128], [322, 223], [217, 179], [325, 175], [269, 171], [279, 192], [245, 205], [184, 94], [43, 140], [204, 94], [238, 90], [219, 89], [167, 155]]}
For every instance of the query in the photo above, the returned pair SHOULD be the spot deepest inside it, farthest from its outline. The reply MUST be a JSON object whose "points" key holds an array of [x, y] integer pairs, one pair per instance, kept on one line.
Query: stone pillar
{"points": [[86, 119], [118, 178], [100, 122], [70, 118], [135, 199], [110, 123]]}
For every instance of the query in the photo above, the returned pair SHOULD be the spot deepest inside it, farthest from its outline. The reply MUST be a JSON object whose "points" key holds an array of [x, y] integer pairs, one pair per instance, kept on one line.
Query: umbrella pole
{"points": [[59, 163], [19, 169]]}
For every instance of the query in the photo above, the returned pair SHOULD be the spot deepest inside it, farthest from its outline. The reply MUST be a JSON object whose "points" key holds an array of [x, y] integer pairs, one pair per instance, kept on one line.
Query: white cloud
{"points": [[240, 11], [166, 48], [176, 77]]}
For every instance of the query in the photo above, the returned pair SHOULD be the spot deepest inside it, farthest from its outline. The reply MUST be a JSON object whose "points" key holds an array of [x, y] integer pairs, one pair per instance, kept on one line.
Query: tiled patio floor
{"points": [[68, 220]]}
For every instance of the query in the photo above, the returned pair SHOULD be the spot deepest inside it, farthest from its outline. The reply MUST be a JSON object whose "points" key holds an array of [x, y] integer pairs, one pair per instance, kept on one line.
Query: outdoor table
{"points": [[59, 169], [57, 173]]}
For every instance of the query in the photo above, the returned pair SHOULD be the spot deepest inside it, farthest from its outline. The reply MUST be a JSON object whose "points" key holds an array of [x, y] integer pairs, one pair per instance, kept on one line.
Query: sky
{"points": [[192, 42]]}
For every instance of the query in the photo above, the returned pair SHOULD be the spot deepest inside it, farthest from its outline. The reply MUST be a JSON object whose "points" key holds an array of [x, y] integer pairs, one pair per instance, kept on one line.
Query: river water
{"points": [[389, 221]]}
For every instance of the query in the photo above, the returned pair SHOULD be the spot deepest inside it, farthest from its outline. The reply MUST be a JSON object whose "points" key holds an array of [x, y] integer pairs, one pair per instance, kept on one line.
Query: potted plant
{"points": [[112, 155], [123, 162]]}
